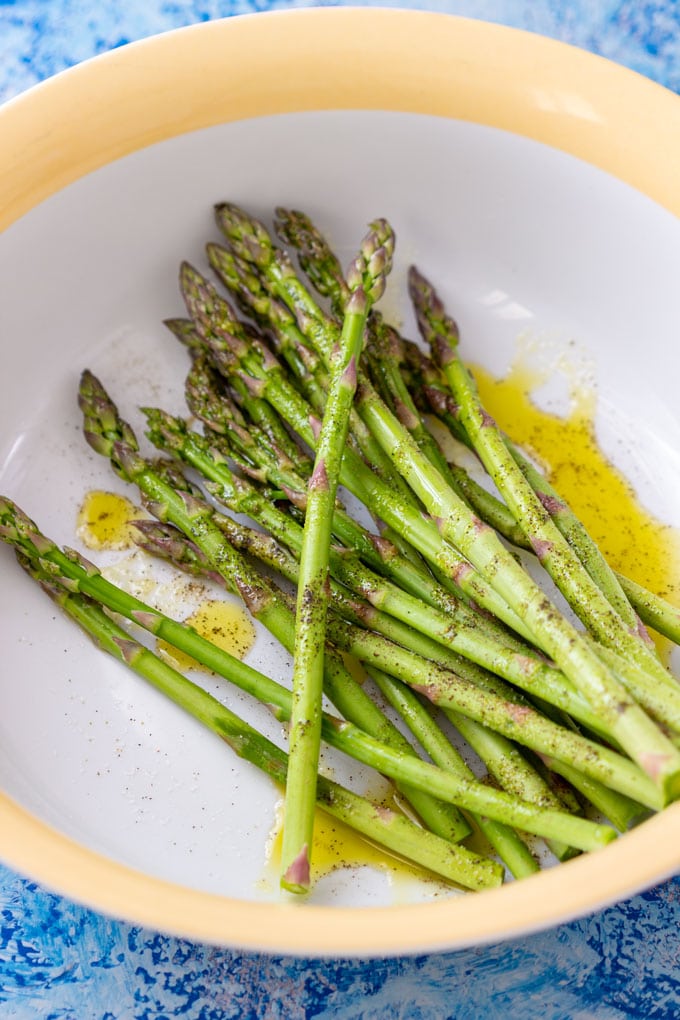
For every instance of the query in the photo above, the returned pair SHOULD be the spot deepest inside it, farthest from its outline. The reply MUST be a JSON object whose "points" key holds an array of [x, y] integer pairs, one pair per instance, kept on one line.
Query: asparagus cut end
{"points": [[296, 878]]}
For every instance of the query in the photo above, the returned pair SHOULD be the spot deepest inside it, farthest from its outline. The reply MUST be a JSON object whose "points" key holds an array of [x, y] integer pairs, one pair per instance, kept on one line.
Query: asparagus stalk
{"points": [[388, 828], [113, 438], [251, 444], [169, 544], [387, 359], [662, 701], [384, 352], [206, 385], [317, 330], [621, 810], [575, 534], [361, 547], [653, 610], [618, 712], [297, 230], [249, 240], [74, 573], [166, 542], [268, 270], [643, 736], [258, 458], [384, 349], [522, 724], [367, 284], [511, 770]]}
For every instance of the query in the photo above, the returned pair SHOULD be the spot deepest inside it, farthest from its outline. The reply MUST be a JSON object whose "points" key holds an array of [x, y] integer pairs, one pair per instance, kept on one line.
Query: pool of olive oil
{"points": [[632, 540], [105, 520], [226, 624]]}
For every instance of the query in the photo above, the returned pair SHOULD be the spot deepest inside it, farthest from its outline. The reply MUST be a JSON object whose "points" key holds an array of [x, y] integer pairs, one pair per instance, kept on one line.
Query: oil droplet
{"points": [[633, 541], [225, 624], [104, 521]]}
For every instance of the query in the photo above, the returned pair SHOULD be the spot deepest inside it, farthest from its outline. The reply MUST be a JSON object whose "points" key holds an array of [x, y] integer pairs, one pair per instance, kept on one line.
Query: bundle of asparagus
{"points": [[307, 388]]}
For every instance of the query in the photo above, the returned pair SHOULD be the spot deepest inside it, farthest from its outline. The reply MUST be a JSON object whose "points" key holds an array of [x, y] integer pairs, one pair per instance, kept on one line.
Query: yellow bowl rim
{"points": [[448, 67]]}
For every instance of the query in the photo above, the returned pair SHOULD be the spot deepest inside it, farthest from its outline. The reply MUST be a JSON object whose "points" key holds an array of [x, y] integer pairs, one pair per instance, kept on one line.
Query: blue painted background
{"points": [[59, 961]]}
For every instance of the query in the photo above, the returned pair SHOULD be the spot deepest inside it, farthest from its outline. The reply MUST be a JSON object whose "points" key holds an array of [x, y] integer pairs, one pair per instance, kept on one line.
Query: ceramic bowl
{"points": [[535, 184]]}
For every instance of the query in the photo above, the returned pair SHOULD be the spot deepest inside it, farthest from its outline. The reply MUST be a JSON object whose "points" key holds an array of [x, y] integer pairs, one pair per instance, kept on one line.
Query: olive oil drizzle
{"points": [[634, 542]]}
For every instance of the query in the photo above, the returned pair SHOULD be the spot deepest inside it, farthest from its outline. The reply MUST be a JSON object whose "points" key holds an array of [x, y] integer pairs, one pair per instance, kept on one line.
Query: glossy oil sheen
{"points": [[635, 541]]}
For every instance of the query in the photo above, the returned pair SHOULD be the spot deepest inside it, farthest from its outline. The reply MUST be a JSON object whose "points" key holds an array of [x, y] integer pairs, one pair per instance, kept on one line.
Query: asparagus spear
{"points": [[513, 773], [635, 730], [315, 332], [72, 572], [320, 264], [311, 376], [256, 457], [217, 412], [506, 842], [366, 282], [387, 356], [205, 380], [652, 609], [240, 229], [170, 545], [625, 719], [250, 240], [497, 514], [522, 724]]}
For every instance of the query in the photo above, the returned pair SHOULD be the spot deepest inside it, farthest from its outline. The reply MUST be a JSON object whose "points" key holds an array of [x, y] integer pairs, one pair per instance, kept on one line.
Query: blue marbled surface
{"points": [[41, 37], [59, 961]]}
